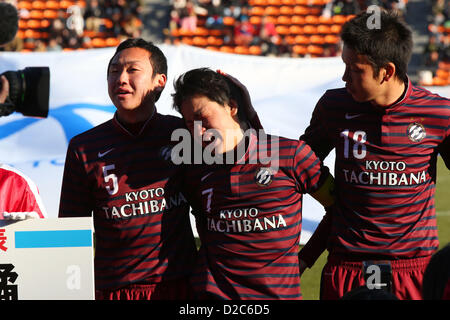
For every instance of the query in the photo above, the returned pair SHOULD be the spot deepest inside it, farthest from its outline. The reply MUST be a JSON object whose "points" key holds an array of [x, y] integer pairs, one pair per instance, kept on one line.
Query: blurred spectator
{"points": [[215, 14], [243, 32], [53, 45], [15, 45], [432, 53], [131, 25], [93, 15], [188, 17], [345, 7]]}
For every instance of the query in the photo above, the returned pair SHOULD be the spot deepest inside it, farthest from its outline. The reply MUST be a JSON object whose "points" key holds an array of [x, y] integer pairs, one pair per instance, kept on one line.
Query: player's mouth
{"points": [[122, 93]]}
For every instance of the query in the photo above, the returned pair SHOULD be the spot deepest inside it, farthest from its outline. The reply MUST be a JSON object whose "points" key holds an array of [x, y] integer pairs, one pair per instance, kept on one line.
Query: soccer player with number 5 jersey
{"points": [[120, 173], [387, 134]]}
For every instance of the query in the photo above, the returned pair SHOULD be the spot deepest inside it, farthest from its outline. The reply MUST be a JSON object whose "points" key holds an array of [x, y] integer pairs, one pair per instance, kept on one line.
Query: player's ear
{"points": [[161, 80], [233, 107], [389, 71]]}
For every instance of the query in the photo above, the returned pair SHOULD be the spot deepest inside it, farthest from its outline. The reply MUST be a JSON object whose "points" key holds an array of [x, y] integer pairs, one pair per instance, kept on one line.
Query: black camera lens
{"points": [[29, 90]]}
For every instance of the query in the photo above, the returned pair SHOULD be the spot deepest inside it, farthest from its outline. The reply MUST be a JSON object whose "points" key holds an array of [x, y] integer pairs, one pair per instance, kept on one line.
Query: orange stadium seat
{"points": [[335, 28], [112, 42], [212, 48], [274, 2], [331, 39], [214, 41], [300, 10], [288, 2], [199, 41], [311, 19], [36, 14], [339, 19], [325, 20], [20, 34], [295, 30], [227, 49], [255, 20], [290, 39], [302, 2], [24, 5], [302, 40], [228, 21], [255, 50], [300, 20], [282, 30], [34, 24], [316, 39], [23, 24], [255, 3], [285, 20], [52, 4], [286, 10], [271, 11], [323, 29], [45, 23], [309, 29], [201, 31], [299, 49], [187, 40], [50, 14], [39, 5], [98, 42], [241, 50], [314, 50], [64, 4], [257, 11]]}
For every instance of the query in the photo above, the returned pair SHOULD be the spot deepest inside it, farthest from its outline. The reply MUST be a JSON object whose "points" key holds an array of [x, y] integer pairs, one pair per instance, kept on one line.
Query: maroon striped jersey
{"points": [[249, 217], [385, 173], [141, 219]]}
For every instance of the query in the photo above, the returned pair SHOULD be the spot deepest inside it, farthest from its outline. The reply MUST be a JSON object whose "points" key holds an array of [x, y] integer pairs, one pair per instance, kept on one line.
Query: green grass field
{"points": [[310, 281]]}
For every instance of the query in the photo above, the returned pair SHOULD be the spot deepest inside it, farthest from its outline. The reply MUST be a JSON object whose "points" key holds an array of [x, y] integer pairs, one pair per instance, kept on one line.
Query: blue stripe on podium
{"points": [[53, 239]]}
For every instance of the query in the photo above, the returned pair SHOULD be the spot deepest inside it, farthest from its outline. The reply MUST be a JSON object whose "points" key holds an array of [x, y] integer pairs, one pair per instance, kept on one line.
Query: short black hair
{"points": [[157, 58], [391, 41], [9, 22], [201, 81]]}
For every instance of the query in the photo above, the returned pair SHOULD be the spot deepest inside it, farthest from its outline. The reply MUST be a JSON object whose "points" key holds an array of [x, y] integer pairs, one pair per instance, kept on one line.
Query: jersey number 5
{"points": [[110, 177], [359, 148]]}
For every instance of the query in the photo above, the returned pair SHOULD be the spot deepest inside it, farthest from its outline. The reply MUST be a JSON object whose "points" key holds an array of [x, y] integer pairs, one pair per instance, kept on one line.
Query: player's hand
{"points": [[301, 266], [4, 92], [252, 116], [20, 215]]}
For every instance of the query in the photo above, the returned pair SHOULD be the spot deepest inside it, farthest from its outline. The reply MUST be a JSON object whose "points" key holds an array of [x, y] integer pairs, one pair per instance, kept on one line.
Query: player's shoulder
{"points": [[17, 177], [91, 133], [170, 121], [425, 95], [335, 98]]}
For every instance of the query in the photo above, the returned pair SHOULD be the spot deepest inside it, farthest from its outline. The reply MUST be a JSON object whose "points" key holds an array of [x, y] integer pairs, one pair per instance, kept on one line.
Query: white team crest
{"points": [[264, 176], [416, 132]]}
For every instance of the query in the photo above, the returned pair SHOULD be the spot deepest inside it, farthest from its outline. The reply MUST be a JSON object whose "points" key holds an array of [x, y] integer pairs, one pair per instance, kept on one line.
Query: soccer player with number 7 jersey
{"points": [[387, 134], [120, 173], [246, 193]]}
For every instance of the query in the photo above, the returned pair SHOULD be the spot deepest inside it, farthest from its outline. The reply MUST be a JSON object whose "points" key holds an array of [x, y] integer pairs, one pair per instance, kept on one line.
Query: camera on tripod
{"points": [[29, 87]]}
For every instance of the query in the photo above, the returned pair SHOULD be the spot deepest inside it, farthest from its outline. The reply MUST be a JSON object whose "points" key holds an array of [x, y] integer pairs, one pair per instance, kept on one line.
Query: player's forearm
{"points": [[317, 244]]}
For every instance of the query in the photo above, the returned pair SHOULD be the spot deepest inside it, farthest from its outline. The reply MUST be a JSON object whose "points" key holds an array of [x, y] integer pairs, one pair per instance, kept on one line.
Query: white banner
{"points": [[47, 259], [284, 92]]}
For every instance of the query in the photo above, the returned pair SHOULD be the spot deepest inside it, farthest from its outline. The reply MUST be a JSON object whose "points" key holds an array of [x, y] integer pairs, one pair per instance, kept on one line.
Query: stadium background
{"points": [[285, 51]]}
